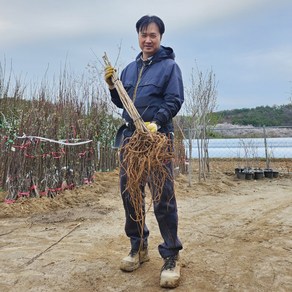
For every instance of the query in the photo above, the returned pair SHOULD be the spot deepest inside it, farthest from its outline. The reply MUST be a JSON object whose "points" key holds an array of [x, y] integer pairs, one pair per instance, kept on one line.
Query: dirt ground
{"points": [[237, 236]]}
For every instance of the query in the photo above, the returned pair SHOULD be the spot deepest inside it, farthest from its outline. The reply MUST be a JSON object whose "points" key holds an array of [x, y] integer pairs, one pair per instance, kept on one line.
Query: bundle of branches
{"points": [[144, 155]]}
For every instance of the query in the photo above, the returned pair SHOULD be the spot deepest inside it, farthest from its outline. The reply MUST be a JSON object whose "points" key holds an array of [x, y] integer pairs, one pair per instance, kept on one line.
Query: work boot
{"points": [[170, 272], [134, 260]]}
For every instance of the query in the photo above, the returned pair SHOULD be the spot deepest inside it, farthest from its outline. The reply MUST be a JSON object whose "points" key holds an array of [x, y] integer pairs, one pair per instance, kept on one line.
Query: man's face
{"points": [[149, 40]]}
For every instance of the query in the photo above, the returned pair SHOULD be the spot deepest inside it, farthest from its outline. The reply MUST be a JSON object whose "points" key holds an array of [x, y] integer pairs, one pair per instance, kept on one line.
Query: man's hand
{"points": [[151, 126], [108, 74]]}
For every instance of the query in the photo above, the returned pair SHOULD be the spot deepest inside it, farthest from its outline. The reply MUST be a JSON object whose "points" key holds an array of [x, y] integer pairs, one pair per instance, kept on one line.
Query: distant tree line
{"points": [[259, 116]]}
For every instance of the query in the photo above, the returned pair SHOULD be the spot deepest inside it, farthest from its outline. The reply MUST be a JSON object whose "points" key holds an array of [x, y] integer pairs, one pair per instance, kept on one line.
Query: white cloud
{"points": [[237, 38], [276, 60], [199, 13], [30, 20]]}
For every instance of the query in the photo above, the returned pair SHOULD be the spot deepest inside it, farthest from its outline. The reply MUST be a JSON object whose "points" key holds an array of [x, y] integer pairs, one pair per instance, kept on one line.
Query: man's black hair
{"points": [[145, 20]]}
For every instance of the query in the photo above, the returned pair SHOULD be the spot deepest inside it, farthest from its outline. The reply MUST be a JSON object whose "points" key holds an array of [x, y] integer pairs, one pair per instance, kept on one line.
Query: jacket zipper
{"points": [[138, 81]]}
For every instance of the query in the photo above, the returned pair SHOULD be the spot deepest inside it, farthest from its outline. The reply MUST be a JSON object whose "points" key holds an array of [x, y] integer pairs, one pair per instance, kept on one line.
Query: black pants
{"points": [[165, 211]]}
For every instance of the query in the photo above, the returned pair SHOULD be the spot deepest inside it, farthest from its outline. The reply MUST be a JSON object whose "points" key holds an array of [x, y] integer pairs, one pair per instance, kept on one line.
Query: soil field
{"points": [[237, 236]]}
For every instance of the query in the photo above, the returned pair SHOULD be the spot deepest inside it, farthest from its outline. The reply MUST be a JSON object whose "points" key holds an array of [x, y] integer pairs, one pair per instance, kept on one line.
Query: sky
{"points": [[246, 43]]}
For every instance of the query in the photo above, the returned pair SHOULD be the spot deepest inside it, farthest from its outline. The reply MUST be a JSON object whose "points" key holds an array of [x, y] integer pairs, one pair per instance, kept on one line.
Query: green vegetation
{"points": [[259, 116]]}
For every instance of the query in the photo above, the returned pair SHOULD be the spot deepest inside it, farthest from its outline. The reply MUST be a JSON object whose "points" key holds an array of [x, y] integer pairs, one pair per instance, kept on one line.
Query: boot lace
{"points": [[169, 263]]}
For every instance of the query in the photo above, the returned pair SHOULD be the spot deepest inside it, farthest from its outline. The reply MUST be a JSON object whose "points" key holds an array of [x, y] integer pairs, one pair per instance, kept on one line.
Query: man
{"points": [[154, 82]]}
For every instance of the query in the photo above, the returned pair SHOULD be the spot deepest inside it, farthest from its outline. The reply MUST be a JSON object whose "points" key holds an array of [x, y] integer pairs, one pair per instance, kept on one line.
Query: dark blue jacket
{"points": [[156, 88]]}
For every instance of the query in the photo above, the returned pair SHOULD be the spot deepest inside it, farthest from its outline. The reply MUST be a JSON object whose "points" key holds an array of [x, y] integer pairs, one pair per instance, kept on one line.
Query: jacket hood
{"points": [[161, 54]]}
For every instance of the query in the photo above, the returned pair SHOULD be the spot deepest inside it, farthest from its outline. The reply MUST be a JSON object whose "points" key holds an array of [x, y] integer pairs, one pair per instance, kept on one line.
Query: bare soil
{"points": [[237, 236]]}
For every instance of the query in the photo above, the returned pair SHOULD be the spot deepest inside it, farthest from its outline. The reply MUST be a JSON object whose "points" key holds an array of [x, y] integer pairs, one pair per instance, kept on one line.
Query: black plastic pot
{"points": [[275, 174], [248, 175], [240, 175], [268, 173], [238, 169], [259, 174]]}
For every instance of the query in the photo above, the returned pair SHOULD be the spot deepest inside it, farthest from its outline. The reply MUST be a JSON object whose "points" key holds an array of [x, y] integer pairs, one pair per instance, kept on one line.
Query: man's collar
{"points": [[148, 61]]}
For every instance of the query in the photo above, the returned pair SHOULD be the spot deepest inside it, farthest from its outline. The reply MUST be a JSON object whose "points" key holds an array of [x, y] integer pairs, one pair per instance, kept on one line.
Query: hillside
{"points": [[259, 116]]}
